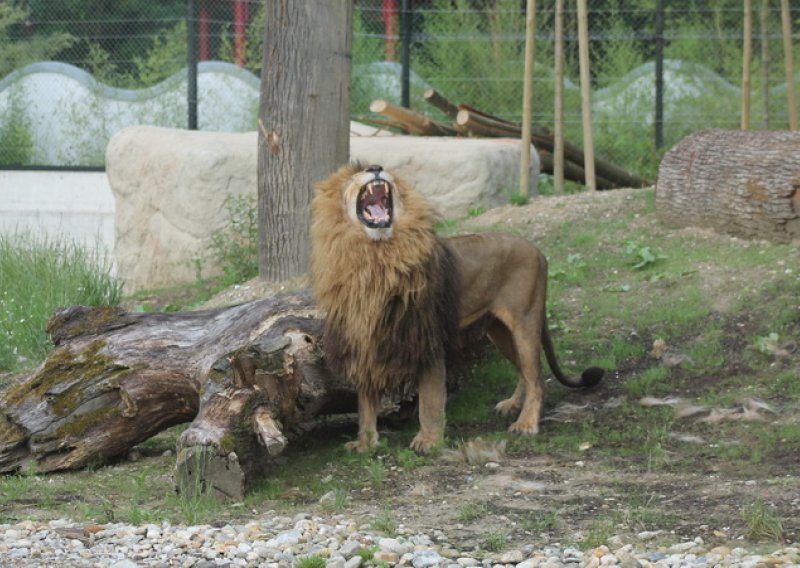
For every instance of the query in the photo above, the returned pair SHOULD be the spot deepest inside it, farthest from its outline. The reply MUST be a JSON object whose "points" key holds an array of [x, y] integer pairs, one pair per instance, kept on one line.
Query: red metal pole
{"points": [[240, 31], [203, 32], [389, 18]]}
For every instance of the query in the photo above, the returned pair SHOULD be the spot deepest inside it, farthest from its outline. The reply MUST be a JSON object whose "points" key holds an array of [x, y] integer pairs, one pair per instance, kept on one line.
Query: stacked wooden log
{"points": [[469, 121]]}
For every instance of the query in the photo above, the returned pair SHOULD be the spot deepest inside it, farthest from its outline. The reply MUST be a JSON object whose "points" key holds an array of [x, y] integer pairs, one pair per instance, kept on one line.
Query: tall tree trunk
{"points": [[304, 123]]}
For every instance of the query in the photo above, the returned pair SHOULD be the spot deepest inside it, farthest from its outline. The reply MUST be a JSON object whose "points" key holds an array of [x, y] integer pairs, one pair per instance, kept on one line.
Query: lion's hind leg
{"points": [[502, 339], [523, 339], [367, 422]]}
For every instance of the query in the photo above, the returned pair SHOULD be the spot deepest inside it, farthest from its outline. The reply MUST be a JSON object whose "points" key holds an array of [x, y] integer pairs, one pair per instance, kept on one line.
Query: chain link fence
{"points": [[470, 51]]}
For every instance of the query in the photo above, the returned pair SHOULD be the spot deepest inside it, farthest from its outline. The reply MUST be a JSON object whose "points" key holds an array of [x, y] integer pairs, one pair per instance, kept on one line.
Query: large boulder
{"points": [[171, 185]]}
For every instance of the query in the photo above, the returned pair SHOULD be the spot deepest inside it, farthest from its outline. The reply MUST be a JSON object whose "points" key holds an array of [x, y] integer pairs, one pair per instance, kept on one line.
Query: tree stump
{"points": [[743, 183]]}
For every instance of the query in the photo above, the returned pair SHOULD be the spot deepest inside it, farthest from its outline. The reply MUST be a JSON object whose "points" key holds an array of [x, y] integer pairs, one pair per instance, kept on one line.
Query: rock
{"points": [[426, 559], [171, 185]]}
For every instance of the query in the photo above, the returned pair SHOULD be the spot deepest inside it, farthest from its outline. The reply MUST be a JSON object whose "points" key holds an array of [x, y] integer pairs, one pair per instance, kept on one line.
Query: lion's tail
{"points": [[589, 378]]}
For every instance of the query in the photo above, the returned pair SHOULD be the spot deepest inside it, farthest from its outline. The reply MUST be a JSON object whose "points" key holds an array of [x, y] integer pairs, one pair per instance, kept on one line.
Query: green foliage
{"points": [[314, 561], [36, 277], [16, 142], [519, 199], [18, 46], [235, 247], [763, 523], [495, 541], [472, 511], [385, 522]]}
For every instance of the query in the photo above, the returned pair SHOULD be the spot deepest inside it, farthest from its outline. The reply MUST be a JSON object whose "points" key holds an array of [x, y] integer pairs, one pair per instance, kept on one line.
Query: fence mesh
{"points": [[470, 51]]}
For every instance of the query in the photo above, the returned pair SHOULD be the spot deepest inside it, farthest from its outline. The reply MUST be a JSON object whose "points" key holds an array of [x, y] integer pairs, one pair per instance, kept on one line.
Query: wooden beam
{"points": [[747, 58], [558, 103]]}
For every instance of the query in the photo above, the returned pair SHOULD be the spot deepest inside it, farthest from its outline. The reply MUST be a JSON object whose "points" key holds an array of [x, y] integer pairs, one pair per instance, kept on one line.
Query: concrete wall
{"points": [[78, 206]]}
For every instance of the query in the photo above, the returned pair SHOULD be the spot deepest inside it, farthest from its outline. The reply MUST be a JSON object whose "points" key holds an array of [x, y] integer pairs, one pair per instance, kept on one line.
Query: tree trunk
{"points": [[251, 377], [304, 123], [743, 183]]}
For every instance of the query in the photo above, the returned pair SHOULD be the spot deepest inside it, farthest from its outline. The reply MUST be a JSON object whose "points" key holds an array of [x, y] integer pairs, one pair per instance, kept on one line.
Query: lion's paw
{"points": [[523, 427], [359, 446], [507, 407], [423, 444]]}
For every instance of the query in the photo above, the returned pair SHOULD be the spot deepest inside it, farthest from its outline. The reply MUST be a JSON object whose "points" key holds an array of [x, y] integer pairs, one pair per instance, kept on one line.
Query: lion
{"points": [[399, 300]]}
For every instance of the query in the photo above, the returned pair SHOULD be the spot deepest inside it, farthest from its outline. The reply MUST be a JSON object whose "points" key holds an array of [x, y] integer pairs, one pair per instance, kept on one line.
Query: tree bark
{"points": [[304, 123], [251, 377], [743, 183]]}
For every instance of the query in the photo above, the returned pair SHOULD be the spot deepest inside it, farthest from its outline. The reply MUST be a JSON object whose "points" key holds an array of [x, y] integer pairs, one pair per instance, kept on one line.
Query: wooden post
{"points": [[527, 99], [586, 100], [558, 103], [786, 21], [764, 33], [747, 57]]}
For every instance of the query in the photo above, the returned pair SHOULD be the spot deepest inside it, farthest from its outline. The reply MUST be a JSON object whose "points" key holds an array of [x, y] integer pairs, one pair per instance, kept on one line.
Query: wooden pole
{"points": [[558, 103], [747, 58], [764, 33], [527, 99], [586, 97], [786, 20]]}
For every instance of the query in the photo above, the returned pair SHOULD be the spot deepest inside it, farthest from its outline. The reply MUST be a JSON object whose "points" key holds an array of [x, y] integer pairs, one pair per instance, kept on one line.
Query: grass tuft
{"points": [[38, 275]]}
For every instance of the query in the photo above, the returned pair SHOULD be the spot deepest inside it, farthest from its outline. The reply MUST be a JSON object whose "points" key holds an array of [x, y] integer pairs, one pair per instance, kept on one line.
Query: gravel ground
{"points": [[282, 541]]}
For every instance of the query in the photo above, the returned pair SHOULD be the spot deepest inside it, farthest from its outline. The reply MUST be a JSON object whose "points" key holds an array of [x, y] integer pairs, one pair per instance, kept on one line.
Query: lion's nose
{"points": [[375, 169]]}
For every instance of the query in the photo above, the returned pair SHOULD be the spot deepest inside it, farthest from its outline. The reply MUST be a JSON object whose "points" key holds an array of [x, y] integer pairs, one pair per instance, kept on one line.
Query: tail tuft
{"points": [[591, 377]]}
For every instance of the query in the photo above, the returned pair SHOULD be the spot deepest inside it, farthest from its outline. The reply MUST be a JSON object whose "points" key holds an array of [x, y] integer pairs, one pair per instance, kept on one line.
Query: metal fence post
{"points": [[191, 91], [405, 54], [659, 119]]}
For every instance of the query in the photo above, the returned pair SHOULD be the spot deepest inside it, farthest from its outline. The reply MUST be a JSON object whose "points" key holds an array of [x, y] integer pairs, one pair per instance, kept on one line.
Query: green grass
{"points": [[763, 524], [37, 276]]}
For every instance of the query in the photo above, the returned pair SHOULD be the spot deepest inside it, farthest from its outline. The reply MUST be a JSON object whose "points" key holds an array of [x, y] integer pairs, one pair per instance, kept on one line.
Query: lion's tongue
{"points": [[377, 211]]}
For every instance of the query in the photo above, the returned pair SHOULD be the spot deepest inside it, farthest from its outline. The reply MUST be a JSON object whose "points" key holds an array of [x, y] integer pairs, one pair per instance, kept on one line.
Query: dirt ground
{"points": [[508, 501], [537, 499]]}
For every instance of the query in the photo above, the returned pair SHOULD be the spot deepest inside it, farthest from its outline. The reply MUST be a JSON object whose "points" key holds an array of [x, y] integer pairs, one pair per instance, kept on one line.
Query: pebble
{"points": [[277, 542]]}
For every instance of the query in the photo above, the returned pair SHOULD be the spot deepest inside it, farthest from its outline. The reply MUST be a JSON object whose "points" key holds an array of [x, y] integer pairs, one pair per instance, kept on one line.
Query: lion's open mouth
{"points": [[374, 204]]}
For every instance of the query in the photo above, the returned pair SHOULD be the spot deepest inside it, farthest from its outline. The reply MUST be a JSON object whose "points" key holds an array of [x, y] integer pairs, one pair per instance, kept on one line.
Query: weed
{"points": [[540, 521], [377, 473], [314, 561], [763, 524], [475, 211], [235, 248], [494, 541], [649, 382], [644, 256], [519, 199], [471, 511], [385, 523]]}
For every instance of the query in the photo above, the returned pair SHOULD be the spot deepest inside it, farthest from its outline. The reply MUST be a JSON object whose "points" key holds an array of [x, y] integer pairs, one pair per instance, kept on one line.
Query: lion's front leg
{"points": [[367, 423], [432, 399]]}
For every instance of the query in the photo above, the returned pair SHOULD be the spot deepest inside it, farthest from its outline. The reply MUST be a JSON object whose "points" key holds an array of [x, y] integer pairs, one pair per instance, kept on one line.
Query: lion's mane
{"points": [[392, 305]]}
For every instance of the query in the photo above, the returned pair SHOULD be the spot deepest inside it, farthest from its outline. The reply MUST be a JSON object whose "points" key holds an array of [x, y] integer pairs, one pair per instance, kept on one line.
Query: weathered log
{"points": [[114, 378], [251, 377], [413, 122], [743, 183]]}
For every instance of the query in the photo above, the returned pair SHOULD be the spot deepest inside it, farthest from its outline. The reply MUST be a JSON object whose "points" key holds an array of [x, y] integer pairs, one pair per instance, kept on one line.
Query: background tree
{"points": [[304, 123]]}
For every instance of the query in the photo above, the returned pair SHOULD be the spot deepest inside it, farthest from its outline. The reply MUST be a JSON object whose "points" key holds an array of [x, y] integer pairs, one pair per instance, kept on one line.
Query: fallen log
{"points": [[413, 122], [248, 375]]}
